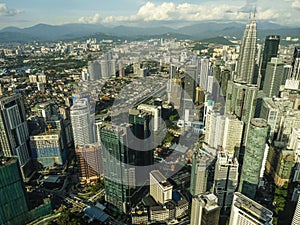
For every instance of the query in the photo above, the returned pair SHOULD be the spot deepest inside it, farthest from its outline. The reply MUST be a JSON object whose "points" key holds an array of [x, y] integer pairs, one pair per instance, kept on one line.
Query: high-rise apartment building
{"points": [[273, 77], [14, 136], [225, 179], [248, 212], [270, 51], [48, 148], [89, 161], [246, 60], [199, 174], [205, 210], [13, 198], [214, 129], [253, 158], [82, 123], [160, 188]]}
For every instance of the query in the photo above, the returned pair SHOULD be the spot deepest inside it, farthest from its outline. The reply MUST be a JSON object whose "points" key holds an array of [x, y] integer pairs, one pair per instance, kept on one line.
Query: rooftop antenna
{"points": [[254, 12]]}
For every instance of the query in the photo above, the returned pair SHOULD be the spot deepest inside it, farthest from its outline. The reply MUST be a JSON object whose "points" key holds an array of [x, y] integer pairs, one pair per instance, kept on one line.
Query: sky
{"points": [[25, 13]]}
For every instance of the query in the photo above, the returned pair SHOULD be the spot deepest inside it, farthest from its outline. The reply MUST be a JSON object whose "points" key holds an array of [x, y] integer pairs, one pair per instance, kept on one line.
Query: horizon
{"points": [[14, 13]]}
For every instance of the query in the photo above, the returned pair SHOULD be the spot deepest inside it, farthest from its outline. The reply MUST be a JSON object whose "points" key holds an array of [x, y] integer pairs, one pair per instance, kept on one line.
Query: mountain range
{"points": [[199, 31]]}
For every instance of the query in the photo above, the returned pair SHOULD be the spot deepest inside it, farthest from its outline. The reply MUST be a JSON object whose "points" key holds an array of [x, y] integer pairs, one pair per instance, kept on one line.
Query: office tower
{"points": [[204, 71], [296, 217], [142, 137], [273, 77], [225, 179], [246, 60], [89, 161], [233, 132], [270, 112], [254, 155], [280, 163], [94, 70], [172, 74], [153, 110], [160, 188], [13, 199], [199, 174], [119, 175], [176, 92], [270, 51], [241, 101], [214, 129], [287, 73], [248, 212], [190, 85], [14, 137], [296, 64], [205, 210], [82, 124], [48, 148]]}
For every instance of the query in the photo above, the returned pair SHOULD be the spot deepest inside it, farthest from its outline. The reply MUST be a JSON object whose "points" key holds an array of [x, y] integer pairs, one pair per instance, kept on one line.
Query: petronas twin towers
{"points": [[246, 61]]}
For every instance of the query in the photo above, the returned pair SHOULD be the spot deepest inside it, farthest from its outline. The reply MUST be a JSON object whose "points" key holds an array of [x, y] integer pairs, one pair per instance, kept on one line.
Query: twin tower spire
{"points": [[246, 60]]}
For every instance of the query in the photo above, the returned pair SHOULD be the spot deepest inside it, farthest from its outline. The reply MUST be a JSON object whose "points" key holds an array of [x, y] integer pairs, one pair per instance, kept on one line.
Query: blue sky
{"points": [[24, 13]]}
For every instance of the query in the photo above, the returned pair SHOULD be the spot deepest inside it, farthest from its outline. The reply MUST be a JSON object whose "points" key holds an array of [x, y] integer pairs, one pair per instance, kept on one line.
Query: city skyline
{"points": [[140, 12]]}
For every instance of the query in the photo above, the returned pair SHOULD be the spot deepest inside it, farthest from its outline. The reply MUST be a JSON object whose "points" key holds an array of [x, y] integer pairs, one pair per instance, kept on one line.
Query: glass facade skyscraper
{"points": [[253, 158], [13, 200], [270, 50]]}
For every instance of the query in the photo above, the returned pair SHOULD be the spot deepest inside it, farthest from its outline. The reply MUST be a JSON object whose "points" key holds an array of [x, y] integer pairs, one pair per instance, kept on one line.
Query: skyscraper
{"points": [[14, 137], [248, 212], [119, 178], [89, 162], [233, 132], [254, 155], [190, 85], [225, 179], [82, 123], [160, 188], [270, 50], [246, 60], [199, 174], [296, 64], [205, 210], [241, 101], [273, 77], [142, 147], [13, 199]]}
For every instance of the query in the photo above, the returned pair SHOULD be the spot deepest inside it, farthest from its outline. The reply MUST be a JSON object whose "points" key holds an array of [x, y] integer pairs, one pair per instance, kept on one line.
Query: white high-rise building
{"points": [[214, 129], [160, 188], [82, 123], [248, 212], [199, 174], [233, 131]]}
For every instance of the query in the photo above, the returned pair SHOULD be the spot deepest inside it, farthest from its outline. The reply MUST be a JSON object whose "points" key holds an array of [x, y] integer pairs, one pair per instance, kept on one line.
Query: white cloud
{"points": [[169, 11], [294, 3], [5, 11], [91, 19]]}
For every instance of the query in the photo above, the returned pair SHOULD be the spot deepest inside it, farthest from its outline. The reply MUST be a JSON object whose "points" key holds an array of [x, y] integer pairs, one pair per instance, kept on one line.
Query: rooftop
{"points": [[251, 207]]}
